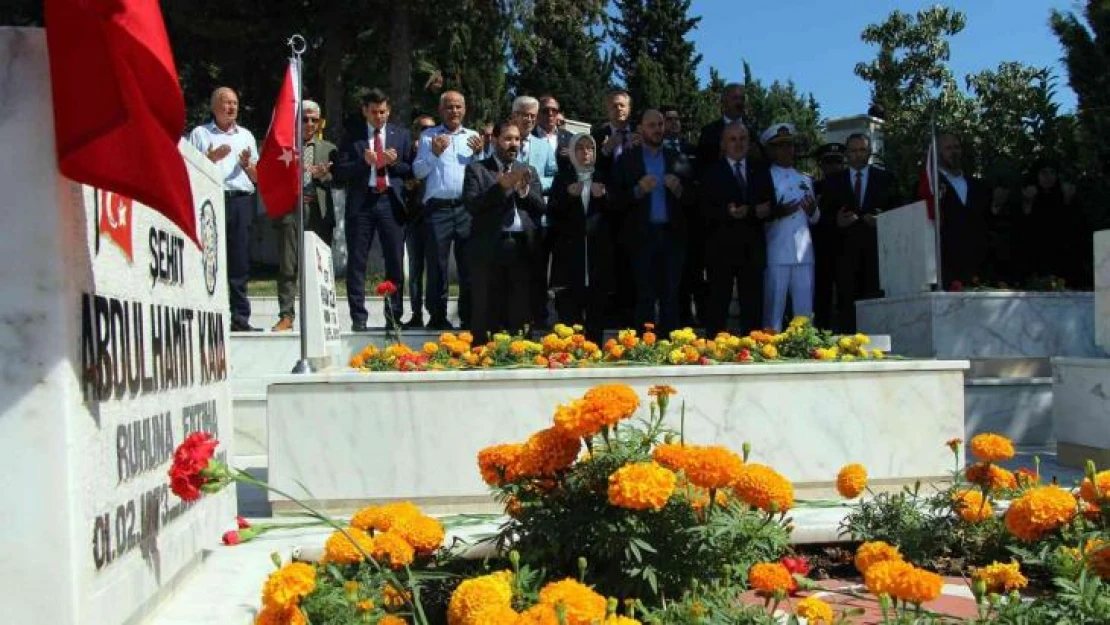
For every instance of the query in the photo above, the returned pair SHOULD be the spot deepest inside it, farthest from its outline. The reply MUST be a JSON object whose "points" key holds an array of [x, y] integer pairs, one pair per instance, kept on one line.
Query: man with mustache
{"points": [[504, 198]]}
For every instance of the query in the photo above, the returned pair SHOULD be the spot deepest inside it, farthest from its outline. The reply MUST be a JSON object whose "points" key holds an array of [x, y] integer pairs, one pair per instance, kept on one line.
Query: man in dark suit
{"points": [[319, 213], [649, 182], [548, 128], [826, 241], [505, 201], [851, 201], [733, 107], [736, 197], [613, 139], [964, 202], [374, 164], [694, 289]]}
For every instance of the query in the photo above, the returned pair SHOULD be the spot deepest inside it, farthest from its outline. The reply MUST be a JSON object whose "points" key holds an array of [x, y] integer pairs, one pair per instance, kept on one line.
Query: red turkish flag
{"points": [[115, 219], [118, 108], [279, 164], [925, 182]]}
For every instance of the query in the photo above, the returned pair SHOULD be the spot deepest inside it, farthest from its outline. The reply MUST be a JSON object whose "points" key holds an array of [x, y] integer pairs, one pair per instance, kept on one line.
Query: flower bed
{"points": [[567, 347]]}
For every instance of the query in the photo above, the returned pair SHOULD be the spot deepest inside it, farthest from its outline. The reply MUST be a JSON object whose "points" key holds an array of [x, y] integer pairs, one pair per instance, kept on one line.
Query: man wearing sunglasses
{"points": [[547, 127], [319, 212]]}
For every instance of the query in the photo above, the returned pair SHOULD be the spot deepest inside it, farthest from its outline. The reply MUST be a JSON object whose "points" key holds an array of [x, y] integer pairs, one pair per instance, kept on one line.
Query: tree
{"points": [[912, 83], [653, 53], [1087, 55], [557, 49], [782, 102]]}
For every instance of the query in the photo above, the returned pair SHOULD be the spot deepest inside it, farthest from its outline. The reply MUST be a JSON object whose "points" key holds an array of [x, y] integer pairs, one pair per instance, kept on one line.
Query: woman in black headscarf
{"points": [[582, 270], [1056, 238]]}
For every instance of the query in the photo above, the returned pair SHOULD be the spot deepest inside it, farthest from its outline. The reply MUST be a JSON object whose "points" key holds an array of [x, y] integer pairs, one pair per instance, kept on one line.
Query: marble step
{"points": [[1019, 408]]}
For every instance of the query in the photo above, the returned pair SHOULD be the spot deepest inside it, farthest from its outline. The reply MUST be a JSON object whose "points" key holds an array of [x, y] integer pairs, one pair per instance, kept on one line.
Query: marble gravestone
{"points": [[321, 314], [907, 250], [113, 326]]}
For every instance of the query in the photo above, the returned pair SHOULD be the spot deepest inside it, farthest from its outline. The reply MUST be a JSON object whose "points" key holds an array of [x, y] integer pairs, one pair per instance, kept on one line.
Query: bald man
{"points": [[234, 151], [650, 181]]}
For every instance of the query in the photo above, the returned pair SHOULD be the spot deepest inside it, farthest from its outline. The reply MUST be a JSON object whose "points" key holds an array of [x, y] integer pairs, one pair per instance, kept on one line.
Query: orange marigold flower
{"points": [[1039, 511], [382, 518], [392, 598], [851, 480], [671, 456], [576, 422], [870, 553], [479, 593], [711, 466], [649, 338], [286, 586], [884, 577], [768, 578], [496, 615], [661, 389], [539, 614], [357, 361], [392, 550], [641, 486], [609, 404], [954, 444], [547, 452], [392, 619], [278, 616], [340, 549], [424, 533], [1096, 554], [1000, 578], [1026, 477], [918, 586], [814, 610], [971, 506], [990, 476], [991, 447], [762, 487], [583, 606], [614, 619], [496, 462], [1087, 490]]}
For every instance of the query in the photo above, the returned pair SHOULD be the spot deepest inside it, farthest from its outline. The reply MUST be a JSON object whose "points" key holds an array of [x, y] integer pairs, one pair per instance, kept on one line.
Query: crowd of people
{"points": [[626, 225]]}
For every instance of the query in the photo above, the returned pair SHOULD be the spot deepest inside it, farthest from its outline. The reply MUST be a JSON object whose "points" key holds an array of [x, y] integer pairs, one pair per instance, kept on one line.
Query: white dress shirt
{"points": [[788, 239], [208, 136], [959, 183], [373, 183]]}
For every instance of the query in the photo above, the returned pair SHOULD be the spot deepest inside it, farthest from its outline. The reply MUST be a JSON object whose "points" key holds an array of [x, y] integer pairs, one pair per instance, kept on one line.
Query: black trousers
{"points": [[857, 278], [445, 227], [500, 289], [541, 264], [748, 279], [238, 217], [826, 251], [657, 269], [414, 244], [376, 214]]}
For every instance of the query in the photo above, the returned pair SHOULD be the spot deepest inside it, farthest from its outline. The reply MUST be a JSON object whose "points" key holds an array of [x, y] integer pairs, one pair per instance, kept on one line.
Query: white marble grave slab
{"points": [[350, 437], [1081, 410], [907, 250]]}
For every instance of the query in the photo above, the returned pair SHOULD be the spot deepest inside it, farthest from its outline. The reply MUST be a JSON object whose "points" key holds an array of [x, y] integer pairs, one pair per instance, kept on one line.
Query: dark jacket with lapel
{"points": [[353, 170], [637, 211], [487, 203], [604, 165], [839, 192], [963, 230], [580, 235], [733, 241]]}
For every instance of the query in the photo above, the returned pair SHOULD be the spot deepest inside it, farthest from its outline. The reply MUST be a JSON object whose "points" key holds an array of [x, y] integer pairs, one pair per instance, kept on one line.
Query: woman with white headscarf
{"points": [[582, 271]]}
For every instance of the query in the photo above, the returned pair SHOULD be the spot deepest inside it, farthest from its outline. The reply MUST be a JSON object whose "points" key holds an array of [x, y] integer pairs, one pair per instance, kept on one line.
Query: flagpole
{"points": [[935, 183], [297, 46]]}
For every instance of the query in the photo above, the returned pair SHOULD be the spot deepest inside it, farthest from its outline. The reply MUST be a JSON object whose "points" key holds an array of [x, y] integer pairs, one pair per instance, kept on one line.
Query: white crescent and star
{"points": [[286, 156]]}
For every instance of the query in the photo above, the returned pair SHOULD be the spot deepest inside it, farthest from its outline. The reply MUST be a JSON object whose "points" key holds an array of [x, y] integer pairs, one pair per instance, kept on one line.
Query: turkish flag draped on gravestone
{"points": [[118, 108], [279, 164]]}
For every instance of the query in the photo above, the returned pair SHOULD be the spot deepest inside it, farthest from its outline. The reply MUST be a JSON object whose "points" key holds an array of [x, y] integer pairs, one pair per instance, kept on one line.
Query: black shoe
{"points": [[358, 326], [439, 324], [243, 326], [414, 323]]}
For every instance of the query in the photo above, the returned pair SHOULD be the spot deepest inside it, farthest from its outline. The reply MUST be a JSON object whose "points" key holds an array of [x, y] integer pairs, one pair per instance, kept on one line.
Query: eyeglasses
{"points": [[550, 110], [305, 119]]}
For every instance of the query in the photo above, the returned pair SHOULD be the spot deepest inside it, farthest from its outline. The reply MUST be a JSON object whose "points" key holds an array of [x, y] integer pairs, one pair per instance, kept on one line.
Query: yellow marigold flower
{"points": [[918, 586], [540, 360], [479, 593], [576, 422], [871, 553], [799, 321], [814, 610], [641, 486], [278, 616], [991, 447], [614, 619], [466, 337], [762, 487], [769, 351], [563, 331], [501, 337], [990, 476], [382, 518], [711, 466], [846, 343], [971, 506], [1000, 578], [884, 577], [497, 462], [339, 549], [424, 533], [1039, 511], [394, 599], [496, 615], [862, 339], [392, 619], [611, 403], [430, 348], [392, 550], [448, 337], [671, 456], [1102, 482], [748, 342], [539, 614], [676, 357], [851, 480], [286, 586], [768, 578], [546, 452], [583, 606], [877, 354], [516, 348]]}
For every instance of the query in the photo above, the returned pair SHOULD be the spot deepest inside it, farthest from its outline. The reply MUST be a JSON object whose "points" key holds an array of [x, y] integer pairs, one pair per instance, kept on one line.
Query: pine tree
{"points": [[1087, 56], [654, 55], [557, 51]]}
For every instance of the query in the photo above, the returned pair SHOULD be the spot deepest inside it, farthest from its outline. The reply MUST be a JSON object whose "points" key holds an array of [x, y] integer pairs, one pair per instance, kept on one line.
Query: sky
{"points": [[816, 43]]}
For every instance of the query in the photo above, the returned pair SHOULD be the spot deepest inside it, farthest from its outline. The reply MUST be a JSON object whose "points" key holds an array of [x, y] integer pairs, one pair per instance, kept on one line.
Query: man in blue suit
{"points": [[374, 164]]}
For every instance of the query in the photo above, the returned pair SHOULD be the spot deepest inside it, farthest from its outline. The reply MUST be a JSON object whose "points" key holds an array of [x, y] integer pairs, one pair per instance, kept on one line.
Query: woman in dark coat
{"points": [[1056, 238], [582, 271]]}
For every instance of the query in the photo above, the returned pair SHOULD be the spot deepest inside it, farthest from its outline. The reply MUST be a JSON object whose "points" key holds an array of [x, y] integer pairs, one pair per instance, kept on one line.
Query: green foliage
{"points": [[783, 102], [653, 52]]}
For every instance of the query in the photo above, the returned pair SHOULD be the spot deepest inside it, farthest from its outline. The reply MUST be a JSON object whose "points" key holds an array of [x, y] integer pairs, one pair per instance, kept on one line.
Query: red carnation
{"points": [[231, 538], [242, 522], [797, 565], [191, 463], [956, 286], [385, 288], [745, 355]]}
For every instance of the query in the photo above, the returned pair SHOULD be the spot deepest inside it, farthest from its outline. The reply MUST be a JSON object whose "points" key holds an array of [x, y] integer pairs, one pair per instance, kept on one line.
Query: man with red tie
{"points": [[374, 165]]}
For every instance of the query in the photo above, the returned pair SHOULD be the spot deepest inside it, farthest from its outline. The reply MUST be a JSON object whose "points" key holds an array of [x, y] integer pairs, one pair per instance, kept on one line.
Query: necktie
{"points": [[379, 157], [620, 146], [738, 171], [309, 160], [858, 189], [509, 216]]}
